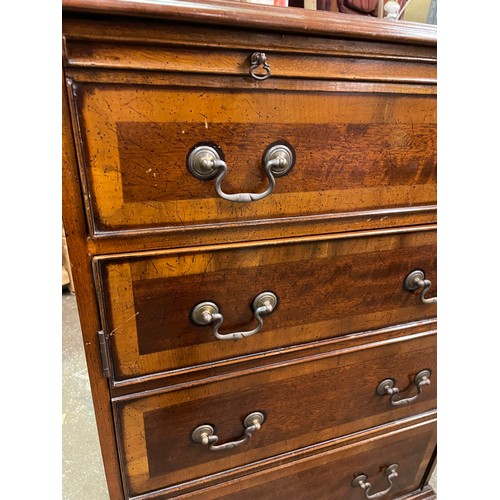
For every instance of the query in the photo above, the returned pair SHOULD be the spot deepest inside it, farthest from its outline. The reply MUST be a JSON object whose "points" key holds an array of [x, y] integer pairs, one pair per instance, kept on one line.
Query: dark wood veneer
{"points": [[325, 288], [156, 34], [329, 477], [337, 393]]}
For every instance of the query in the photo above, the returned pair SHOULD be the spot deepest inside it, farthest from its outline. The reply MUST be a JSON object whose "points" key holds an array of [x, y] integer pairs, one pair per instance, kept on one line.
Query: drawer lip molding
{"points": [[267, 242], [102, 244], [271, 18], [355, 342], [367, 215], [200, 81]]}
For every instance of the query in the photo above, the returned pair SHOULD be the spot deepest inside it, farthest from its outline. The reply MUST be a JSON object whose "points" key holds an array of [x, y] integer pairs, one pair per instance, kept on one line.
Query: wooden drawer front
{"points": [[326, 288], [329, 475], [354, 152], [304, 402]]}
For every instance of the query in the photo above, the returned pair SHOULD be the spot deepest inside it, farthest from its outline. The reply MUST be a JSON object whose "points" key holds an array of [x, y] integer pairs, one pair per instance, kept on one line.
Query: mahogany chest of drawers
{"points": [[250, 207]]}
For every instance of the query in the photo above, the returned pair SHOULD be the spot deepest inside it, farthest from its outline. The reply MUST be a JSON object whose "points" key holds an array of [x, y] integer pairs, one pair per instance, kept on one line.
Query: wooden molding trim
{"points": [[272, 366], [270, 242], [151, 32], [280, 355], [225, 13]]}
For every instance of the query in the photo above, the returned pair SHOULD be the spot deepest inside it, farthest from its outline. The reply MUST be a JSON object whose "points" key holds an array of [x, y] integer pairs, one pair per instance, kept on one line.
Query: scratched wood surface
{"points": [[354, 152], [337, 393], [325, 289], [329, 474], [356, 98]]}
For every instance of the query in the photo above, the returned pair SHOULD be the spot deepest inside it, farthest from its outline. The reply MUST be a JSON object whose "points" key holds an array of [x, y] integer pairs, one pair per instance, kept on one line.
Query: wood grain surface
{"points": [[123, 55], [354, 152], [155, 34], [304, 404], [76, 230], [328, 475], [326, 288]]}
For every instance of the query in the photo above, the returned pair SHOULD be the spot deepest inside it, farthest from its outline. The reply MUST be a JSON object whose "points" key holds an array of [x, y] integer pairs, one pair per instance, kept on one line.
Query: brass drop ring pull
{"points": [[205, 163], [259, 59], [387, 387], [205, 434], [205, 313], [416, 279], [361, 482]]}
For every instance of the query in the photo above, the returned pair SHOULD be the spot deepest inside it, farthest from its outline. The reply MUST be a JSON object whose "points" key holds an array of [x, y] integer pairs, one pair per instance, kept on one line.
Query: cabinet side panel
{"points": [[76, 233]]}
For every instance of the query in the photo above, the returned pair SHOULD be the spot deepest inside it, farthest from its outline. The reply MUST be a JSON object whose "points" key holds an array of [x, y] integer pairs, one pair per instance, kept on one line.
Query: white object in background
{"points": [[280, 3], [391, 9]]}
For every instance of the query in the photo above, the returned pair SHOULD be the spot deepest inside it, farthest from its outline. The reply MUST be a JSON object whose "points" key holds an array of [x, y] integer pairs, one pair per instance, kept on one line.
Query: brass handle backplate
{"points": [[205, 434], [205, 313], [361, 482], [416, 279], [204, 163], [387, 387]]}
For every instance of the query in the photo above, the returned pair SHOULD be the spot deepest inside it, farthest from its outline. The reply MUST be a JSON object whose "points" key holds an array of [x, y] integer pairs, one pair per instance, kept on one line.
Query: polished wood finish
{"points": [[235, 62], [326, 470], [322, 287], [76, 232], [426, 493], [225, 13], [137, 141], [337, 393], [143, 83], [217, 371], [154, 35]]}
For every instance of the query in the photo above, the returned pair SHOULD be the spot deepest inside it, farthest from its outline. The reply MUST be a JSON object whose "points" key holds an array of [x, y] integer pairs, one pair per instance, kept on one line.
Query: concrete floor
{"points": [[83, 473]]}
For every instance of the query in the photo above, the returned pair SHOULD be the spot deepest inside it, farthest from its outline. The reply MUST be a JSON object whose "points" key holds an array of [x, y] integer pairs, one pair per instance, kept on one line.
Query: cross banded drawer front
{"points": [[299, 404], [329, 474], [353, 152], [154, 305]]}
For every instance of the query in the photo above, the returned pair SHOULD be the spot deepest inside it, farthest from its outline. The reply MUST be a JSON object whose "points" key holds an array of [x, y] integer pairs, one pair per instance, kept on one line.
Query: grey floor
{"points": [[83, 475]]}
